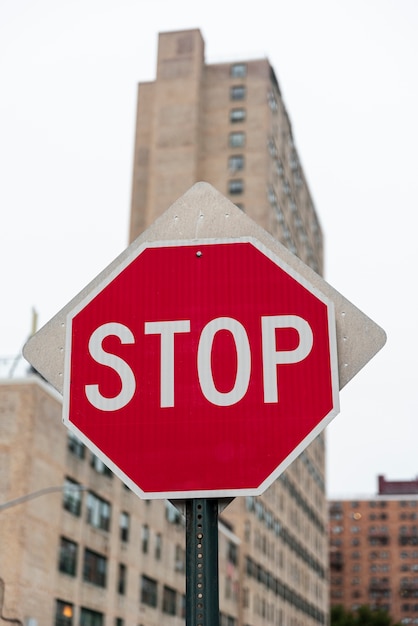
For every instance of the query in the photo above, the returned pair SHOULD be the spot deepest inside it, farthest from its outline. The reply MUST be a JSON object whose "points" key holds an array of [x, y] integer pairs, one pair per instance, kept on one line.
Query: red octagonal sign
{"points": [[200, 368]]}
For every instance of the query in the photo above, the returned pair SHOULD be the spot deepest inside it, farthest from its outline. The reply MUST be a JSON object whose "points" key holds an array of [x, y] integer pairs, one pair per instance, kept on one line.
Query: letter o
{"points": [[204, 367]]}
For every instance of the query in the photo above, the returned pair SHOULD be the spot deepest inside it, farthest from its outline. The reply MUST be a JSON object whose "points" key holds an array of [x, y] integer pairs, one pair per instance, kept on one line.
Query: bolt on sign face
{"points": [[200, 368]]}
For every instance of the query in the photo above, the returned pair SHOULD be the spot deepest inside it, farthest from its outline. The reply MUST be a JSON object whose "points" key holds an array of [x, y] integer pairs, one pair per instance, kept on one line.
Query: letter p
{"points": [[272, 358]]}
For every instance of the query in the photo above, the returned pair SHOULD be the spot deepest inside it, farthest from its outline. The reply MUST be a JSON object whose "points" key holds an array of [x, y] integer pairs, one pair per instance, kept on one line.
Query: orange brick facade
{"points": [[374, 554]]}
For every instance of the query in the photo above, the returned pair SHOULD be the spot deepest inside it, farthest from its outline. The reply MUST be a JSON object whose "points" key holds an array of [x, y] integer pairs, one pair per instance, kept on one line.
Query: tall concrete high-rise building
{"points": [[227, 124], [81, 549]]}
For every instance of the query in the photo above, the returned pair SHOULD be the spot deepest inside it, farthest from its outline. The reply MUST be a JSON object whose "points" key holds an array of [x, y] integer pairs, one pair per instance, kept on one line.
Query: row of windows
{"points": [[300, 229], [264, 609], [98, 510], [266, 578], [384, 567], [336, 515], [408, 541], [272, 523], [373, 531], [95, 572], [146, 541], [312, 470], [64, 615], [300, 500], [65, 612], [173, 602], [95, 565], [237, 139], [406, 583], [302, 553], [336, 505], [78, 449], [263, 513], [373, 568], [376, 530]]}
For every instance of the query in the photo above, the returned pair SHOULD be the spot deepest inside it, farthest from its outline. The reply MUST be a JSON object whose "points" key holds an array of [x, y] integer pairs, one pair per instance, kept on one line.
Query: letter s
{"points": [[116, 363]]}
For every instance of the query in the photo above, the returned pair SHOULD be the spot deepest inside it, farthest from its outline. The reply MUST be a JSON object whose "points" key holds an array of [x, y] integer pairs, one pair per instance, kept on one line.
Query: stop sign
{"points": [[200, 367]]}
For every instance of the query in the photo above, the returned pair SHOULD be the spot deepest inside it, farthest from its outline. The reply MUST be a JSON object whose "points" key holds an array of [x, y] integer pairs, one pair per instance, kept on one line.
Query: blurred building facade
{"points": [[83, 549], [91, 553], [373, 550]]}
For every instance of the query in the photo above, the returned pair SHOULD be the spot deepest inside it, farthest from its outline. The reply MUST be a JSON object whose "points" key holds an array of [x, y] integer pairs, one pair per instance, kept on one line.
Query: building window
{"points": [[145, 538], [121, 579], [169, 600], [64, 612], [180, 559], [148, 591], [238, 70], [72, 496], [90, 618], [273, 104], [237, 115], [236, 163], [237, 139], [235, 186], [158, 546], [228, 587], [119, 621], [67, 562], [98, 512], [95, 568], [99, 466], [232, 553], [238, 92], [172, 514], [75, 446], [124, 526], [228, 620], [247, 530]]}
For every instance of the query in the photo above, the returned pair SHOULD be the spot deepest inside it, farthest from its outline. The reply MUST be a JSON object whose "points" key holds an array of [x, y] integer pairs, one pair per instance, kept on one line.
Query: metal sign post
{"points": [[202, 569]]}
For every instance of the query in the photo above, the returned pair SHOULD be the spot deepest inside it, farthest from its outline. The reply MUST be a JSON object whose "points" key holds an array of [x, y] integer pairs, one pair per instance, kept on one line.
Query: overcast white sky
{"points": [[348, 73]]}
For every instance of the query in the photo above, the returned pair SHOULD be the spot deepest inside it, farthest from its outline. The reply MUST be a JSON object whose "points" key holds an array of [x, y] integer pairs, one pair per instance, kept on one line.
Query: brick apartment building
{"points": [[373, 548]]}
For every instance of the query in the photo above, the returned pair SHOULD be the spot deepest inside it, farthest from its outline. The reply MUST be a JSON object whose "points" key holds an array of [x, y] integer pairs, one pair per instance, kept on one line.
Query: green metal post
{"points": [[202, 570]]}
